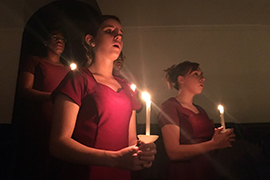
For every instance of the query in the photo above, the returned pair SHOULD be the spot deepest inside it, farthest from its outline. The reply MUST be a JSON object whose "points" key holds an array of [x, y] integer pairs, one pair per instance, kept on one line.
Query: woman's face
{"points": [[109, 39], [118, 64], [56, 42], [193, 81]]}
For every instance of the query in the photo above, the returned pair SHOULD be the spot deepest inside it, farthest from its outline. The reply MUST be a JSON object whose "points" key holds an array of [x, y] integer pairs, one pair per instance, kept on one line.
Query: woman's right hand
{"points": [[129, 158], [223, 138]]}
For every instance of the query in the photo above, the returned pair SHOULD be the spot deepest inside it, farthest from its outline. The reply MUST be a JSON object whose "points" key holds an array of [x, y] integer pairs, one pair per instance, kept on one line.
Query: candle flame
{"points": [[221, 109], [133, 87], [146, 97], [73, 66]]}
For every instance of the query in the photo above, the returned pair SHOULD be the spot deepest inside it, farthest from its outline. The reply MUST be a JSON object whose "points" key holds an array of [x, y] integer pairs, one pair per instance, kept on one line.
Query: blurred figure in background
{"points": [[118, 65], [38, 76]]}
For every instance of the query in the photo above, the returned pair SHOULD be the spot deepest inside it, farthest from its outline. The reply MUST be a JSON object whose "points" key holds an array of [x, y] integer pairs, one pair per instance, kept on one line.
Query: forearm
{"points": [[189, 151], [33, 94], [72, 151]]}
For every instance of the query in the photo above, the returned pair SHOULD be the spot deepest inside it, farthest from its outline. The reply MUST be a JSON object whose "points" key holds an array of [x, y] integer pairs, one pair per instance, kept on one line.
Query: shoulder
{"points": [[31, 60], [81, 72], [170, 106], [81, 76], [29, 63], [200, 108], [170, 102], [169, 113]]}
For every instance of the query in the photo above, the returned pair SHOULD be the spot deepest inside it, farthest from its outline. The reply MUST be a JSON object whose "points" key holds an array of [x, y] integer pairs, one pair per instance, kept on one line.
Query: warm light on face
{"points": [[221, 109], [73, 66], [133, 87]]}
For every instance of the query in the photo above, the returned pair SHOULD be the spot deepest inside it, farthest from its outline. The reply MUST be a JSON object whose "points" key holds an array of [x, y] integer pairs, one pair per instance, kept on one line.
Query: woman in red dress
{"points": [[188, 134], [38, 77], [94, 127]]}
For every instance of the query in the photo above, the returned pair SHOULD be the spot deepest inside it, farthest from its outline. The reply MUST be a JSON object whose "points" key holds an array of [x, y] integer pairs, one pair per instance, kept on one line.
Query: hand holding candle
{"points": [[221, 111]]}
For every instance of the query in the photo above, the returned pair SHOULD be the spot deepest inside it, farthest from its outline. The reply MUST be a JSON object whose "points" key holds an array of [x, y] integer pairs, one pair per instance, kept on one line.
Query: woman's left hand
{"points": [[147, 153]]}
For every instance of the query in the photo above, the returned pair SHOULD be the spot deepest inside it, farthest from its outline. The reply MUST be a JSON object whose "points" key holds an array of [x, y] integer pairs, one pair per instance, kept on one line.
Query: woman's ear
{"points": [[88, 39], [180, 79], [45, 43]]}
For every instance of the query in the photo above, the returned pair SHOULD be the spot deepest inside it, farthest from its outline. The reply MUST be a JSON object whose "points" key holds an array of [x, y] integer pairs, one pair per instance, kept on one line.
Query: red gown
{"points": [[34, 118], [194, 128], [102, 121], [47, 77]]}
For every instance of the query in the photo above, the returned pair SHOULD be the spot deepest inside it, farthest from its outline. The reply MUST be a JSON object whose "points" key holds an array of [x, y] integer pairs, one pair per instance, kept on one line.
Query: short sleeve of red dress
{"points": [[169, 113], [74, 85], [28, 64]]}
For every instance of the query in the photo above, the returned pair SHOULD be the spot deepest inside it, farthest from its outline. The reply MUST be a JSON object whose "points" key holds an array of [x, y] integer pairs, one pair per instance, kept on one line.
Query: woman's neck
{"points": [[186, 100], [103, 69], [53, 57]]}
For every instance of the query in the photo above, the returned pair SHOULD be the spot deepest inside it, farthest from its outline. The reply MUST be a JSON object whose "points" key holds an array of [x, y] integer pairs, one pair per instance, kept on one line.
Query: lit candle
{"points": [[221, 112], [73, 66], [133, 87], [146, 98]]}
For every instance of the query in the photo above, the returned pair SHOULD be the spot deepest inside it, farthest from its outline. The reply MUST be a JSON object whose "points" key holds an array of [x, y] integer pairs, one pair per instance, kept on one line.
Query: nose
{"points": [[63, 40], [118, 37], [118, 34], [60, 39], [202, 79]]}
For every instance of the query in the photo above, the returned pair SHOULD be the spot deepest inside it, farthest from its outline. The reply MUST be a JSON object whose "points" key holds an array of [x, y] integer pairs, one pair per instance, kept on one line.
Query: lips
{"points": [[59, 44], [117, 45]]}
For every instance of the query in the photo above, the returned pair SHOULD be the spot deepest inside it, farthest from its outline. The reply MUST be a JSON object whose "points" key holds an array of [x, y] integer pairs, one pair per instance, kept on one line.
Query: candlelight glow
{"points": [[221, 112], [133, 87], [221, 109], [73, 66], [146, 97]]}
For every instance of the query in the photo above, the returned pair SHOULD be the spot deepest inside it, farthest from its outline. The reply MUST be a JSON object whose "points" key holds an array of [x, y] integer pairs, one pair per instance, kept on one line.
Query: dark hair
{"points": [[96, 23], [92, 30], [121, 56], [179, 70]]}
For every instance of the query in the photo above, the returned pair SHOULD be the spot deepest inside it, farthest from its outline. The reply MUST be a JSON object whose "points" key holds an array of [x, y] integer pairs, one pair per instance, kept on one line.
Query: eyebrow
{"points": [[113, 27]]}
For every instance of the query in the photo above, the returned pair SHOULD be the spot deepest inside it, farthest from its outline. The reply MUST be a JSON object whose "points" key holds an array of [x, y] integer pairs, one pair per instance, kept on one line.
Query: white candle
{"points": [[221, 112], [146, 98]]}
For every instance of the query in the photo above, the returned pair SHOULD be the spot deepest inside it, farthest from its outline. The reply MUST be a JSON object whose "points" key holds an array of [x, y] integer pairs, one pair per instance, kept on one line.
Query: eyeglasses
{"points": [[56, 38]]}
